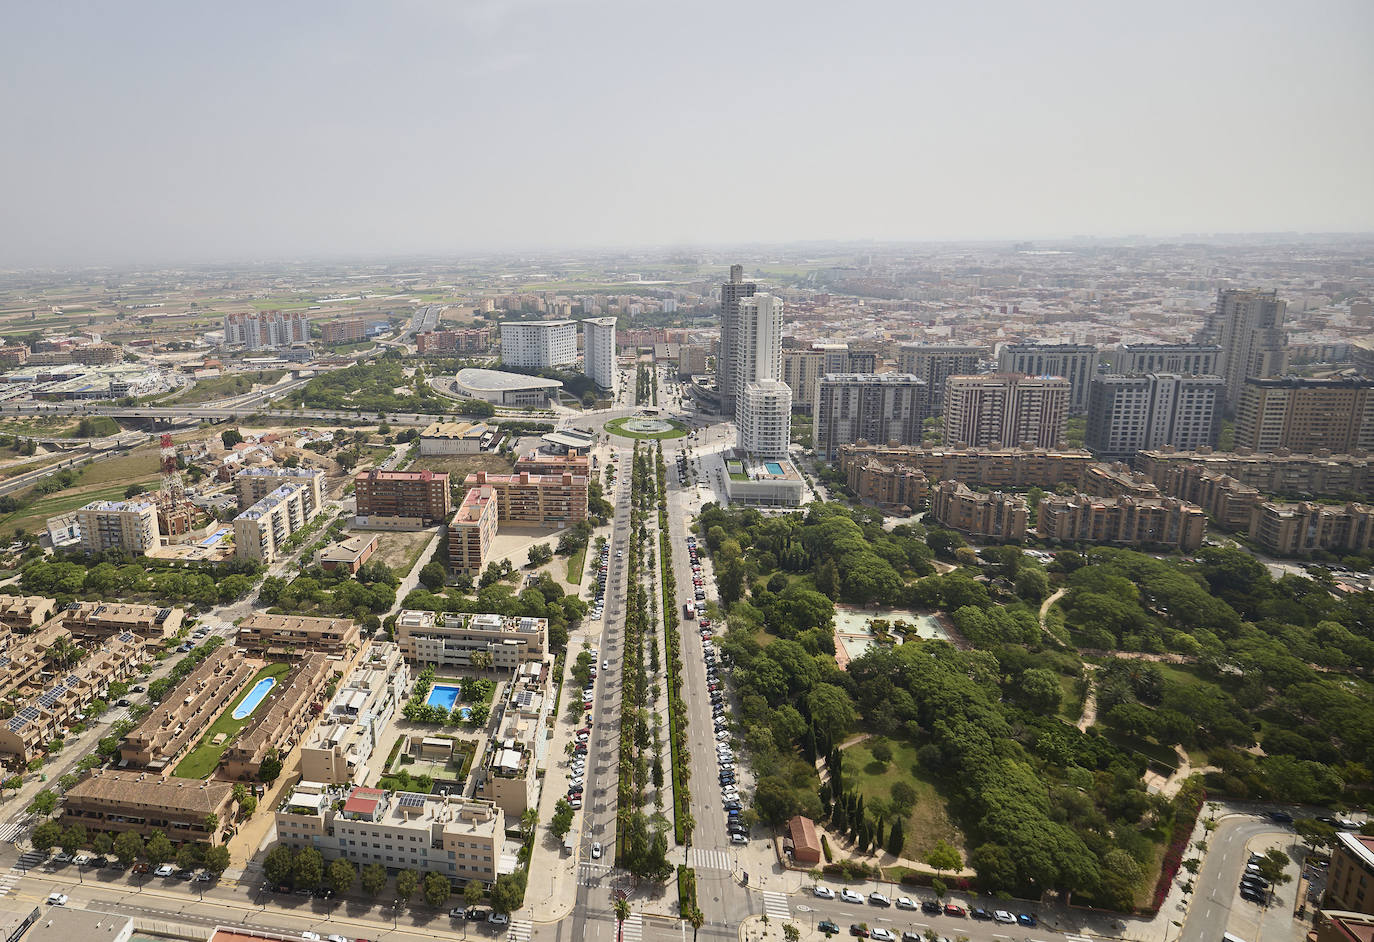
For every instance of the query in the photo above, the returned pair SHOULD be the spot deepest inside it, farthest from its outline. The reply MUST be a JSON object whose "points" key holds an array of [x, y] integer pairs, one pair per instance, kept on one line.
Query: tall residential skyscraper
{"points": [[538, 344], [936, 363], [876, 407], [1006, 408], [758, 341], [731, 293], [765, 419], [1248, 326], [1191, 359], [1076, 362], [1127, 414], [598, 352], [1306, 415]]}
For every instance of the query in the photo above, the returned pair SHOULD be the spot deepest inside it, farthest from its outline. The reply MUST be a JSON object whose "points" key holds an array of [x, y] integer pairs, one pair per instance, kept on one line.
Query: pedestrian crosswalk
{"points": [[632, 930], [10, 831], [14, 874], [1077, 938], [590, 874], [520, 930], [775, 905], [710, 859]]}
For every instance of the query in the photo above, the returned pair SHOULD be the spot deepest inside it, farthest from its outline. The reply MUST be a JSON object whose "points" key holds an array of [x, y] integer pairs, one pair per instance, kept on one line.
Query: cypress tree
{"points": [[896, 837]]}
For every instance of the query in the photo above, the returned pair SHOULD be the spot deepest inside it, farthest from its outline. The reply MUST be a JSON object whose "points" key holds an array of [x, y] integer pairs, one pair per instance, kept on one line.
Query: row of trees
{"points": [[129, 846]]}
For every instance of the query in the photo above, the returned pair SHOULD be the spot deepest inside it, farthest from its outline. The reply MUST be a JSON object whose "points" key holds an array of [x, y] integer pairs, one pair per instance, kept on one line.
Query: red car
{"points": [[952, 910]]}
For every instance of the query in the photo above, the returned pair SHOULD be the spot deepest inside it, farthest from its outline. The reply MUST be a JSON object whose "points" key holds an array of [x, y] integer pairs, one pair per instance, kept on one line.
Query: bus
{"points": [[689, 610]]}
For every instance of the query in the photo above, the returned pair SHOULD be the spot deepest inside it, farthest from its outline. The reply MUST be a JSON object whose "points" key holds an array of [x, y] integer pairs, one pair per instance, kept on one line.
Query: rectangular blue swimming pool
{"points": [[443, 695], [773, 468]]}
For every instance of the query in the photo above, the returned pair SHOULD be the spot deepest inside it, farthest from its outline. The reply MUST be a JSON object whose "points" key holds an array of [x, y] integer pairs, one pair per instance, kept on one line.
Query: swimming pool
{"points": [[773, 468], [250, 703], [443, 695]]}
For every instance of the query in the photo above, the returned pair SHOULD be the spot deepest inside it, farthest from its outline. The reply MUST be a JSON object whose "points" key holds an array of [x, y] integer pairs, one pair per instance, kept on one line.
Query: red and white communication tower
{"points": [[171, 475]]}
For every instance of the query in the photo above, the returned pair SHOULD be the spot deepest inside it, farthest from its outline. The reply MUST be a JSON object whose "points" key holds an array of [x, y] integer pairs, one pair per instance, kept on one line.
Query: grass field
{"points": [[929, 820], [1070, 703], [203, 759], [233, 384], [577, 565], [400, 550], [460, 466], [616, 427]]}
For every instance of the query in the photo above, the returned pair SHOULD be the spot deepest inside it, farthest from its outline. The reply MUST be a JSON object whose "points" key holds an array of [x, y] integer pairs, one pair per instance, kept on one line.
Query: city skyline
{"points": [[504, 126]]}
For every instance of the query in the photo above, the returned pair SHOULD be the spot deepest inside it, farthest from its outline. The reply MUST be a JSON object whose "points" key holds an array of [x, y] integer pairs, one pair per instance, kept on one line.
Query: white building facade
{"points": [[538, 344], [598, 352], [764, 419]]}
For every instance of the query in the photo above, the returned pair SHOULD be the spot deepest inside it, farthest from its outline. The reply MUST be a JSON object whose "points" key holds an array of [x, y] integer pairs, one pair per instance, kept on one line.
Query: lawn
{"points": [[460, 466], [401, 549], [929, 820], [577, 565], [615, 427], [231, 384], [1070, 703], [204, 758]]}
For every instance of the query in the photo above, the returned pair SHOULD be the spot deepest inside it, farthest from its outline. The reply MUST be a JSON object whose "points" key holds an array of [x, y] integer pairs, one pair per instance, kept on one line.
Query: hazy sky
{"points": [[153, 132]]}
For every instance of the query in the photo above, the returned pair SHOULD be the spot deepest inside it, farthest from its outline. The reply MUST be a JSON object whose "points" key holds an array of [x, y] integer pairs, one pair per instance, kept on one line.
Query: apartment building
{"points": [[869, 466], [540, 462], [1350, 879], [448, 639], [692, 359], [1322, 474], [802, 369], [350, 330], [176, 724], [992, 516], [1006, 409], [874, 407], [418, 495], [280, 721], [129, 526], [25, 613], [467, 340], [507, 772], [1128, 414], [758, 341], [14, 355], [253, 484], [261, 531], [536, 498], [598, 352], [275, 636], [1186, 359], [1306, 415], [1248, 326], [538, 344], [453, 438], [116, 801], [472, 530], [458, 837], [98, 354], [1075, 362], [43, 714], [24, 655], [95, 621], [732, 293], [1301, 528], [1335, 925], [341, 746], [1131, 521], [764, 419], [266, 330], [936, 363]]}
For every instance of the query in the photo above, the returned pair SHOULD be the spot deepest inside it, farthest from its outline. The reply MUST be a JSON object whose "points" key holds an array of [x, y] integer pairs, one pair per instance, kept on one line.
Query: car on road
{"points": [[596, 850], [849, 896], [905, 902], [878, 899], [57, 899], [822, 892], [1282, 817], [1001, 915], [498, 919]]}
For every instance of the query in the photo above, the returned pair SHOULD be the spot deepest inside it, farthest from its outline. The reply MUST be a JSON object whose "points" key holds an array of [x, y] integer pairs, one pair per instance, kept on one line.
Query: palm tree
{"points": [[697, 919], [621, 908]]}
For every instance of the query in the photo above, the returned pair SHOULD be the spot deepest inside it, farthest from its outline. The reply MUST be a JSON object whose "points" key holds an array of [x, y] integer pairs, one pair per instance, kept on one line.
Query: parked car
{"points": [[823, 892], [827, 927], [1001, 915], [952, 910], [930, 906], [849, 896], [882, 935], [979, 912], [878, 899], [164, 870], [1027, 919], [857, 931]]}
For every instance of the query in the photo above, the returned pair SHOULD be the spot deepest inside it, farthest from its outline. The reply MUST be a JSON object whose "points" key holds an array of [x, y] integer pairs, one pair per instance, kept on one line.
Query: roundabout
{"points": [[646, 427]]}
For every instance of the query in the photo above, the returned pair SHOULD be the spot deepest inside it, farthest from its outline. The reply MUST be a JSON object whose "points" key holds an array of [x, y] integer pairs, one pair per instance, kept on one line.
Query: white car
{"points": [[823, 892], [310, 935], [164, 870], [1001, 915], [881, 934], [57, 899], [738, 839], [849, 896], [596, 850], [723, 735], [906, 902], [878, 899]]}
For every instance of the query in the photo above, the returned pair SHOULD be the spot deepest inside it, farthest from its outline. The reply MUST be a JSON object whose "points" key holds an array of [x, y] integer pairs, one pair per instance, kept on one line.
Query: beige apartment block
{"points": [[129, 526], [115, 801], [507, 772], [1306, 415], [273, 636], [96, 620], [1296, 529], [995, 516], [25, 613], [536, 498], [1006, 409], [341, 747], [449, 639], [901, 475], [1285, 473], [253, 484], [1350, 880], [472, 530], [279, 722], [175, 725], [22, 656], [458, 837], [538, 462], [936, 363], [1131, 521], [261, 531]]}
